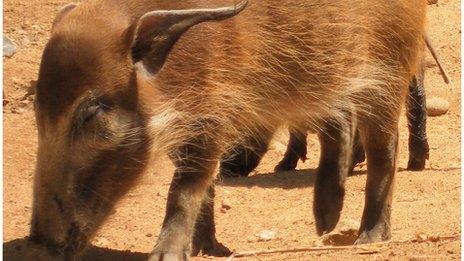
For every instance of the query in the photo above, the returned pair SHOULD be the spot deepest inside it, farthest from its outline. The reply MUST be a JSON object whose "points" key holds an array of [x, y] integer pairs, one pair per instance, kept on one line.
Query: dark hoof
{"points": [[285, 166], [418, 154], [372, 236], [328, 203], [212, 249], [416, 164], [358, 157]]}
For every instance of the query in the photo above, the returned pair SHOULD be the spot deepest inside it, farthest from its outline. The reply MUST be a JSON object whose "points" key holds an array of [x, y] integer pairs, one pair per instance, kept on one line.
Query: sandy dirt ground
{"points": [[426, 204]]}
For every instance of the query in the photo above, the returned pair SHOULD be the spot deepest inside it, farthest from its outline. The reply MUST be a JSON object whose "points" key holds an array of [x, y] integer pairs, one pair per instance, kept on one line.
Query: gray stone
{"points": [[9, 49]]}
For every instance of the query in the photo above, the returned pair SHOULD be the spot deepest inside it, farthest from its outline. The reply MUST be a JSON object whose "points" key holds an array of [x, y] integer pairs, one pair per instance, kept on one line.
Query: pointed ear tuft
{"points": [[158, 31], [63, 12]]}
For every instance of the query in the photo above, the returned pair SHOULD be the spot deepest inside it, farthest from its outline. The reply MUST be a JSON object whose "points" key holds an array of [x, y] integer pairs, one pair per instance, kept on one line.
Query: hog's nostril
{"points": [[59, 203]]}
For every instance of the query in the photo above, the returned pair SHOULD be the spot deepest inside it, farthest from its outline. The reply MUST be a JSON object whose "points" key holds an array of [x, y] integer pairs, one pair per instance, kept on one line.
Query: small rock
{"points": [[16, 80], [432, 2], [17, 110], [266, 235], [225, 205], [434, 238], [26, 40], [437, 106], [430, 63], [24, 103], [9, 49], [149, 235], [420, 237]]}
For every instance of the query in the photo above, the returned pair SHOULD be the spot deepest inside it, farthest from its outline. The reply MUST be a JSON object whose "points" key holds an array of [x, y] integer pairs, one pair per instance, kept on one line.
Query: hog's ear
{"points": [[62, 13], [158, 31]]}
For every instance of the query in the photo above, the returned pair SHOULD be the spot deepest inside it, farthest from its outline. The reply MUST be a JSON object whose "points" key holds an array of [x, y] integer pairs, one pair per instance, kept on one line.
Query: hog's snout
{"points": [[55, 244]]}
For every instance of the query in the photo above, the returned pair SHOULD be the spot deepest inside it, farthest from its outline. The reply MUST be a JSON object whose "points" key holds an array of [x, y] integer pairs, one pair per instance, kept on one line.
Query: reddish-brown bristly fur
{"points": [[101, 108], [274, 64]]}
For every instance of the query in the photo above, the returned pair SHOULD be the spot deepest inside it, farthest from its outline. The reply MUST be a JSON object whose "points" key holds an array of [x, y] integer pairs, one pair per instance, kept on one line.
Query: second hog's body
{"points": [[117, 81]]}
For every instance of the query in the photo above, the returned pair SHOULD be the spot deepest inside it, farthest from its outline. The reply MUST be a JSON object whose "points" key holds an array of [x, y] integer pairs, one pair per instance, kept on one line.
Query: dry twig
{"points": [[365, 249]]}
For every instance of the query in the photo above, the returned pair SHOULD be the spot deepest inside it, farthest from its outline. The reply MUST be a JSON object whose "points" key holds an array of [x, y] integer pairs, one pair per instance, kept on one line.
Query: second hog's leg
{"points": [[296, 150], [359, 154], [245, 157]]}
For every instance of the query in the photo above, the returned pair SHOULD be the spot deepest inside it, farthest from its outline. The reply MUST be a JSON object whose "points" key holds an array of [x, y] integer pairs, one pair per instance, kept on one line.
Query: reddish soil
{"points": [[426, 204]]}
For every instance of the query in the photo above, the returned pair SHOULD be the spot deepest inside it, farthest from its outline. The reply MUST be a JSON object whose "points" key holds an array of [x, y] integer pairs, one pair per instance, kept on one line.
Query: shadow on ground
{"points": [[285, 180], [294, 179], [19, 249]]}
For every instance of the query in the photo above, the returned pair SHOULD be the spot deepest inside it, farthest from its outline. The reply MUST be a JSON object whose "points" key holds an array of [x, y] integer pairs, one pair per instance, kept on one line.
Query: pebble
{"points": [[9, 48], [437, 106], [430, 63], [17, 110], [24, 103], [266, 235], [225, 205], [26, 40], [421, 237], [16, 80]]}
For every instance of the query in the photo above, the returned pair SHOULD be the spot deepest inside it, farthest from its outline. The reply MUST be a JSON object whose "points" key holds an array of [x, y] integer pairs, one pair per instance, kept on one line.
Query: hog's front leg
{"points": [[204, 238], [192, 178]]}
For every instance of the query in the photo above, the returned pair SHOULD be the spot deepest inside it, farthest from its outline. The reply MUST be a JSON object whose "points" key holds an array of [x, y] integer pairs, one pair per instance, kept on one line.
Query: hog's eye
{"points": [[91, 113], [90, 118]]}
